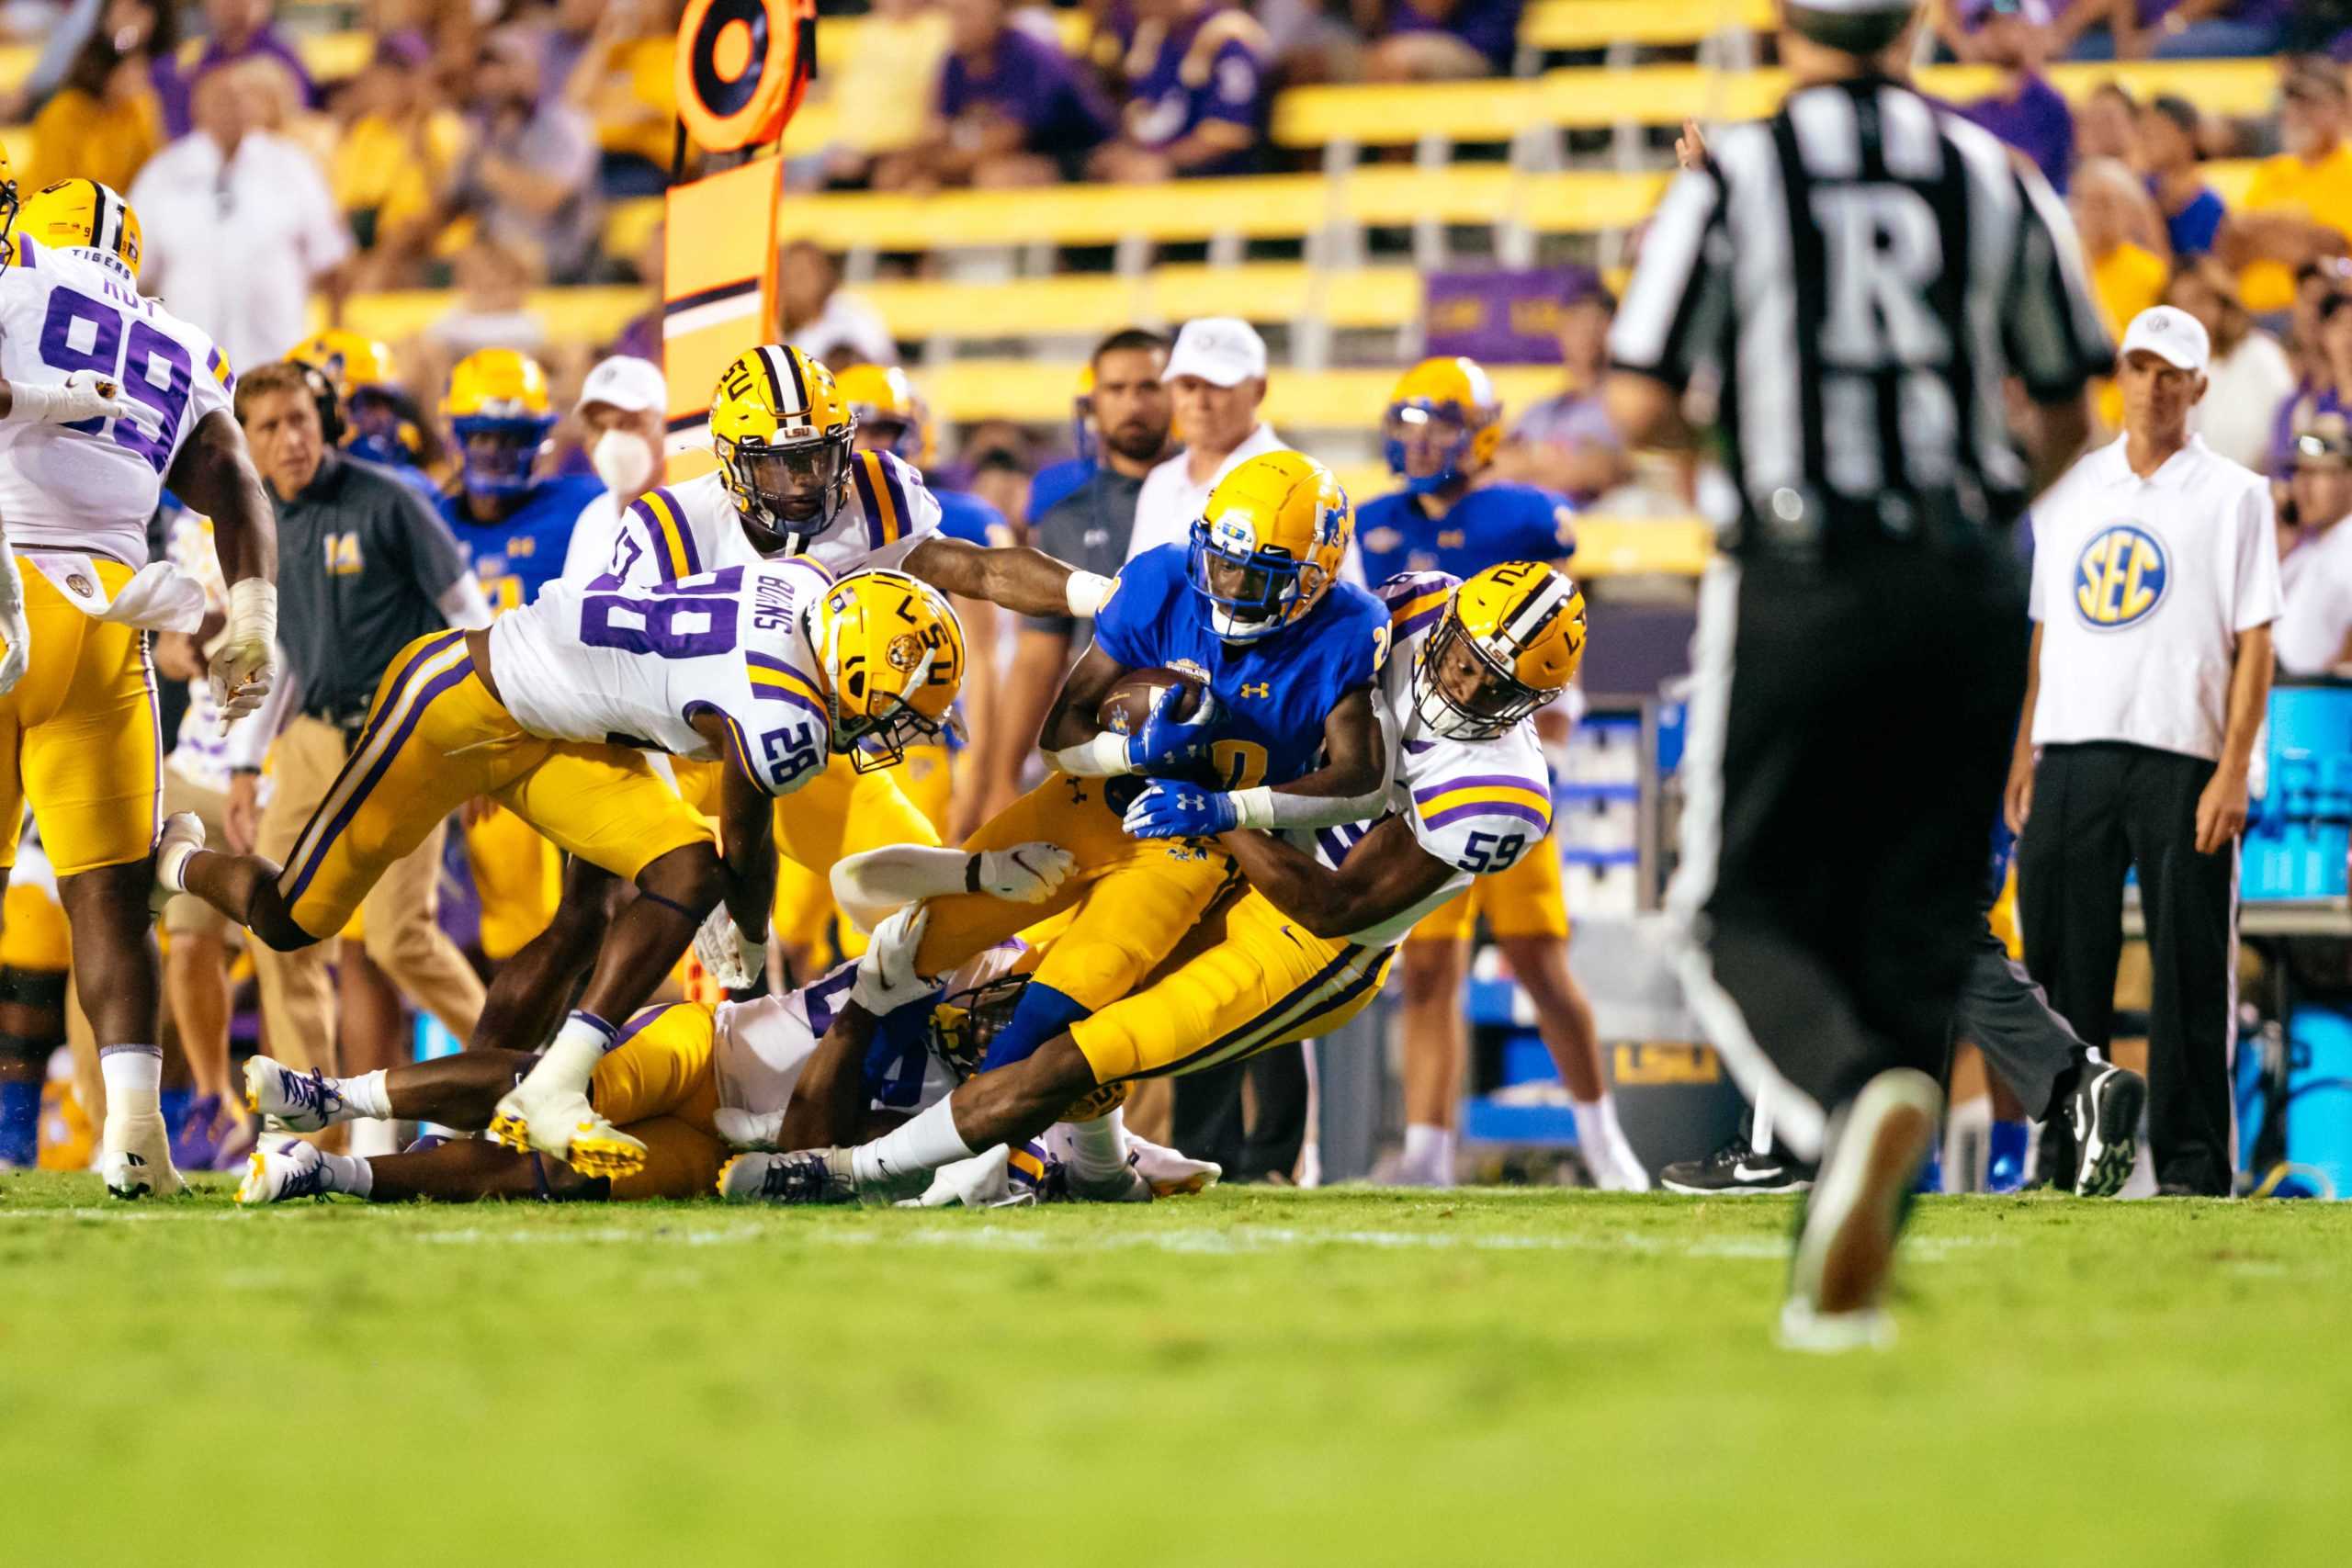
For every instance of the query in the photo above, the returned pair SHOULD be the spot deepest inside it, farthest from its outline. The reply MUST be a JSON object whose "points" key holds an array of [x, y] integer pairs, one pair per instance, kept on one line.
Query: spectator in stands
{"points": [[2298, 205], [2192, 209], [1567, 442], [2118, 221], [240, 226], [492, 309], [393, 160], [822, 321], [233, 31], [1432, 41], [280, 108], [2108, 126], [1011, 108], [1218, 373], [622, 77], [106, 120], [2323, 403], [2028, 112], [530, 181], [2177, 29], [874, 115], [2314, 636], [2248, 379], [1195, 96]]}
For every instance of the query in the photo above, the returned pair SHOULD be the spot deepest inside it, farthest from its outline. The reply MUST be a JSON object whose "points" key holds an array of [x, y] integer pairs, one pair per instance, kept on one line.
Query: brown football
{"points": [[1129, 702]]}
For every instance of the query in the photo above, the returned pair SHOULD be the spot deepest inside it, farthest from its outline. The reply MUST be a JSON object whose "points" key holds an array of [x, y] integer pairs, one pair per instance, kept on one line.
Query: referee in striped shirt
{"points": [[1856, 281]]}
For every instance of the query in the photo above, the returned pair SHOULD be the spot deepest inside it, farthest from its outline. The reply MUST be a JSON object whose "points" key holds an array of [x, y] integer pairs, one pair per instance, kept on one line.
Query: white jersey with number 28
{"points": [[92, 486]]}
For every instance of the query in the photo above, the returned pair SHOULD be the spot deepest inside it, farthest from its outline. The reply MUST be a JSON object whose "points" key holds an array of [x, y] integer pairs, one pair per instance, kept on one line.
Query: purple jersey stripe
{"points": [[873, 504], [1542, 822], [1418, 622], [777, 694], [461, 671], [685, 534], [906, 514], [1482, 781]]}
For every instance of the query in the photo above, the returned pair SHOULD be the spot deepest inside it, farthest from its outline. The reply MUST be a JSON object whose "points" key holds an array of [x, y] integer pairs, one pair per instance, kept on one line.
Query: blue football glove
{"points": [[1180, 811], [1167, 742]]}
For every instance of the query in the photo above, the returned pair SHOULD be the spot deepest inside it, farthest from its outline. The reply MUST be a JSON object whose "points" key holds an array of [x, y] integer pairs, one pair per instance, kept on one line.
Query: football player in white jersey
{"points": [[789, 482], [1306, 947], [771, 669], [108, 397]]}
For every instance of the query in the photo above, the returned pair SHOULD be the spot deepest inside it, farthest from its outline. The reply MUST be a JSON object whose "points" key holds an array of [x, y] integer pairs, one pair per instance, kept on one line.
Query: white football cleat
{"points": [[297, 1101], [1853, 1217], [183, 836], [806, 1176], [1171, 1174], [559, 1122], [1127, 1185], [292, 1169], [135, 1157]]}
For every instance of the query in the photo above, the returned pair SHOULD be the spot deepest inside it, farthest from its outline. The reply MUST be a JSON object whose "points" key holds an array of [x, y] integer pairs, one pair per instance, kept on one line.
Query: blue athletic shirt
{"points": [[1276, 691], [518, 556], [1487, 527], [963, 515]]}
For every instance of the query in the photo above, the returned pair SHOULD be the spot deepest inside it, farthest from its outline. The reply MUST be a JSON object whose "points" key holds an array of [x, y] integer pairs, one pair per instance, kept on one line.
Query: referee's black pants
{"points": [[2098, 810], [1834, 852]]}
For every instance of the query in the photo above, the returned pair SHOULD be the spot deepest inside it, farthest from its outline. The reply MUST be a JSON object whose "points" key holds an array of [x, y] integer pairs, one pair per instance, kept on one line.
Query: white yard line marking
{"points": [[994, 1238]]}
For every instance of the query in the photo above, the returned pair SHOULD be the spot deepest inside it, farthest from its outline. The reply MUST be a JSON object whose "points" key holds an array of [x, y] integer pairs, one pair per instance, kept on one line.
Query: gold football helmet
{"points": [[1510, 640], [783, 432], [891, 659], [1269, 544]]}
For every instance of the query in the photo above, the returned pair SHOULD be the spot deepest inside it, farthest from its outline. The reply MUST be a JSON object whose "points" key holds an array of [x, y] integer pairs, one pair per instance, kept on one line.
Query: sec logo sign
{"points": [[2120, 577]]}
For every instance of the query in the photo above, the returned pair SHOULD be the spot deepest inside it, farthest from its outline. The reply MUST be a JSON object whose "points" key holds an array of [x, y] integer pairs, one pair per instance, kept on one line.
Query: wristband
{"points": [[1085, 592], [1104, 757], [252, 610], [1253, 807]]}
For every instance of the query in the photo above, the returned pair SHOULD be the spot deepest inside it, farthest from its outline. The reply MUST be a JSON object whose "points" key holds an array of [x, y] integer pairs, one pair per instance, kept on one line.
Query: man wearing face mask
{"points": [[623, 405]]}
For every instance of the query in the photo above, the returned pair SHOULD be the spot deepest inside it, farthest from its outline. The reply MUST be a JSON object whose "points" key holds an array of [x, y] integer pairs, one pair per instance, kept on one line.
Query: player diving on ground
{"points": [[1305, 948]]}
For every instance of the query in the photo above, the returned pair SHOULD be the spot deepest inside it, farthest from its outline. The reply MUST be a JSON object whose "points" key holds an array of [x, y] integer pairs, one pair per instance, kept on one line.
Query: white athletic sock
{"points": [[134, 1077], [349, 1173], [925, 1144], [1429, 1154], [370, 1136], [171, 866], [579, 1046], [366, 1095], [1098, 1148], [1600, 1137]]}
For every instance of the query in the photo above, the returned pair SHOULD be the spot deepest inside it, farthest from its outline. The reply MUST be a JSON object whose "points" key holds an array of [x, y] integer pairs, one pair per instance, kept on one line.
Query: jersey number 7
{"points": [[83, 333]]}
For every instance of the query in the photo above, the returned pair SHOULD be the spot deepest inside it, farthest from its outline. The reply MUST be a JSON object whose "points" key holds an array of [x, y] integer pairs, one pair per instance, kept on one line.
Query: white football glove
{"points": [[886, 980], [240, 667], [15, 628], [733, 959], [747, 1129], [85, 394], [1026, 873]]}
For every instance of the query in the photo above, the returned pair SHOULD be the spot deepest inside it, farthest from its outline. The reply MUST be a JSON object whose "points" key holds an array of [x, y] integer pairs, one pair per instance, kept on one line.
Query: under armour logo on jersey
{"points": [[1254, 689]]}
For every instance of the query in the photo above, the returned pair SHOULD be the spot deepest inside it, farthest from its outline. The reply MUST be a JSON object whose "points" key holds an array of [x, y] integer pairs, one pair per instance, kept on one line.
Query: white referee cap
{"points": [[2172, 335]]}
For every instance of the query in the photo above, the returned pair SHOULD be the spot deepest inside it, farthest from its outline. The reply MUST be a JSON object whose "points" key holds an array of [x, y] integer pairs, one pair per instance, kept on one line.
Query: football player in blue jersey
{"points": [[1252, 609], [1443, 427], [513, 528]]}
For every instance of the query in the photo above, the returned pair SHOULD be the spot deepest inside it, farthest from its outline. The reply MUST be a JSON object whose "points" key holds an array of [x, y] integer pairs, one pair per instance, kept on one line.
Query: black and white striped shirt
{"points": [[1859, 275]]}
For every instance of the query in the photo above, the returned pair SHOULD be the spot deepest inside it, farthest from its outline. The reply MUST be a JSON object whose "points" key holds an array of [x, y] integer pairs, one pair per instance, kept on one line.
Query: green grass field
{"points": [[1249, 1377]]}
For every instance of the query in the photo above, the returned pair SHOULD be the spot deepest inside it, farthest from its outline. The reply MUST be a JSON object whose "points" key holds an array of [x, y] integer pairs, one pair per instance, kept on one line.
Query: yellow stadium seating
{"points": [[1087, 304], [1598, 24], [594, 315], [1596, 97]]}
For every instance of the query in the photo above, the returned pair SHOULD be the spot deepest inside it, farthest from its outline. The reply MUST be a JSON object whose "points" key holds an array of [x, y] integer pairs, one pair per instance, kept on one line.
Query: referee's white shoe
{"points": [[1846, 1249]]}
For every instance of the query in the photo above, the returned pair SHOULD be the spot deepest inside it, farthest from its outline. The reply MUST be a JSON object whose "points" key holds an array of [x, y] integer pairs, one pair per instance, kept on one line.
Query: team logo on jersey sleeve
{"points": [[2121, 577]]}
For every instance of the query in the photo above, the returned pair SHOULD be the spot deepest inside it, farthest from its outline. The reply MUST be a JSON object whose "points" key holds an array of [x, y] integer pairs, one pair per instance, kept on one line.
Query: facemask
{"points": [[625, 461]]}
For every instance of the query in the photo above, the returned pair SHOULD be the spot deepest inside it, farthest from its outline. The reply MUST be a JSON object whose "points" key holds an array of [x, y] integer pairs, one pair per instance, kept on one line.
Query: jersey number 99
{"points": [[83, 333]]}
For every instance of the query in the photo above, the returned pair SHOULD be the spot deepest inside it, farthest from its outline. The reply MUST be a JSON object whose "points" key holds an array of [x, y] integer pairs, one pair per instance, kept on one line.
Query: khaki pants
{"points": [[398, 916]]}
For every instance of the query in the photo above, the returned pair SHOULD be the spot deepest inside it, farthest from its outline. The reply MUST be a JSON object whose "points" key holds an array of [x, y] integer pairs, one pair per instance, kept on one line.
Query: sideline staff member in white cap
{"points": [[622, 408], [1217, 375], [2155, 580]]}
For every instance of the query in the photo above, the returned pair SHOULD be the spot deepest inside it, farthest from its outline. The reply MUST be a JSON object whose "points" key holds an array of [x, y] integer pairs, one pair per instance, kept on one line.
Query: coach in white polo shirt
{"points": [[2155, 580], [1216, 377]]}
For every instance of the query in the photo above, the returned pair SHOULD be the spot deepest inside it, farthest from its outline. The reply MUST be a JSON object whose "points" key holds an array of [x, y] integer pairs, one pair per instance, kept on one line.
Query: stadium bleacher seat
{"points": [[1562, 25]]}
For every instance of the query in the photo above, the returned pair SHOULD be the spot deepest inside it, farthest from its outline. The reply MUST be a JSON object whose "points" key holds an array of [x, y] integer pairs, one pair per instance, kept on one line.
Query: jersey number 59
{"points": [[83, 333]]}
